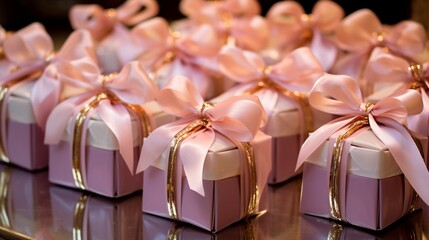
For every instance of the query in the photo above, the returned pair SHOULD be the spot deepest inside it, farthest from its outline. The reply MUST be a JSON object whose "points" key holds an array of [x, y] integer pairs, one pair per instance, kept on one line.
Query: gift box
{"points": [[23, 196], [24, 131], [77, 215], [365, 168], [222, 204], [318, 228], [377, 192], [209, 168], [106, 171], [160, 228], [282, 89]]}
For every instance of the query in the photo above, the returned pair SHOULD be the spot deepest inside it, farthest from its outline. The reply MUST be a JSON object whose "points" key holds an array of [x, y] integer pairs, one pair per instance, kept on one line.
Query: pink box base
{"points": [[107, 173], [285, 154], [370, 203], [25, 145], [217, 210]]}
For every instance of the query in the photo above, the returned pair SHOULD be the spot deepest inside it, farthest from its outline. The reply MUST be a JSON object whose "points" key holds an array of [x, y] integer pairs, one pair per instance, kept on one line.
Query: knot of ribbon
{"points": [[116, 98], [293, 77], [340, 95], [238, 118], [101, 21]]}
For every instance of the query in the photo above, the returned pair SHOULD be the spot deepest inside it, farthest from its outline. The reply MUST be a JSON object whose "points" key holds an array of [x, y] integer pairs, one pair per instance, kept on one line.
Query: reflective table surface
{"points": [[32, 208]]}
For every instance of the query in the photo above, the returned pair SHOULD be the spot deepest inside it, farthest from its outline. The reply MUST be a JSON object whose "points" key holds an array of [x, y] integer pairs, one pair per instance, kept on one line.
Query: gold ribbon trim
{"points": [[4, 90], [190, 129], [78, 217], [416, 71], [81, 117], [334, 176], [335, 232], [299, 97], [4, 190]]}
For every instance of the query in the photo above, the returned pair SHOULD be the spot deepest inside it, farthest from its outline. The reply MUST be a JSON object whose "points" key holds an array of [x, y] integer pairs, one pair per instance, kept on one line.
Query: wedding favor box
{"points": [[78, 215], [199, 169], [377, 193], [364, 168], [106, 171]]}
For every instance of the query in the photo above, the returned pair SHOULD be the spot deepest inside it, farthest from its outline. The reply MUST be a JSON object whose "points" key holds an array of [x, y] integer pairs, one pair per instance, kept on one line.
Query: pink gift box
{"points": [[221, 206], [99, 218], [311, 227], [107, 173], [375, 194], [24, 195], [160, 228]]}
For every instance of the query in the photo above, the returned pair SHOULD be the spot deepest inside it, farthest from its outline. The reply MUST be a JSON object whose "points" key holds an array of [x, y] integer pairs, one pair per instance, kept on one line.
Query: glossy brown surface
{"points": [[31, 206]]}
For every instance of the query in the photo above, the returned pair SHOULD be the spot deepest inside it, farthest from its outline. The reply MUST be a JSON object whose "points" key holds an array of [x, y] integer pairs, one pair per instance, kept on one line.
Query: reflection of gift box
{"points": [[318, 228], [223, 203], [106, 171], [160, 228], [24, 143], [376, 192], [76, 214], [23, 196]]}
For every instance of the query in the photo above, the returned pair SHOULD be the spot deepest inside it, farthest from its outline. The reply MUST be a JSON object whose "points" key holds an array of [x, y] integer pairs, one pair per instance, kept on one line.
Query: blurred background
{"points": [[15, 14]]}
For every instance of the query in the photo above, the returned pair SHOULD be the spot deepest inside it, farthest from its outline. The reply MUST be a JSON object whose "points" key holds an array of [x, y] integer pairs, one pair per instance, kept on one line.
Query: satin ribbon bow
{"points": [[361, 32], [29, 49], [295, 28], [46, 93], [294, 75], [386, 68], [130, 86], [340, 95], [2, 39], [100, 21], [238, 118]]}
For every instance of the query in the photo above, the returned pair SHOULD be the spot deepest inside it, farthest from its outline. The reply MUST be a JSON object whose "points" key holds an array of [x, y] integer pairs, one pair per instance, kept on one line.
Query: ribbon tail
{"points": [[118, 119], [405, 152], [156, 144], [419, 122], [318, 137], [44, 97], [324, 50], [192, 154]]}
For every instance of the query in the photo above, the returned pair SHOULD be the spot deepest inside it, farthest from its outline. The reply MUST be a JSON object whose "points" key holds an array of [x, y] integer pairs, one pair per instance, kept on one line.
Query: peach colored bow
{"points": [[100, 21], [386, 68], [131, 85], [295, 28], [361, 31], [298, 71], [340, 95], [46, 93], [29, 49], [238, 118]]}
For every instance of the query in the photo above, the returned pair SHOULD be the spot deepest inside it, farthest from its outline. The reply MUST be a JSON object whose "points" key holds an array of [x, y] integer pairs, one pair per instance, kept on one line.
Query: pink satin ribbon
{"points": [[340, 95], [361, 31], [238, 118], [188, 50], [46, 93], [131, 86], [100, 21], [294, 27], [29, 49], [386, 68], [298, 71]]}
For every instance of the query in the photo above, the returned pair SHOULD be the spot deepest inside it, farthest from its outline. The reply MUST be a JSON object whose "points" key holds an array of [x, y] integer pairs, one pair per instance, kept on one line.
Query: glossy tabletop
{"points": [[36, 209]]}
